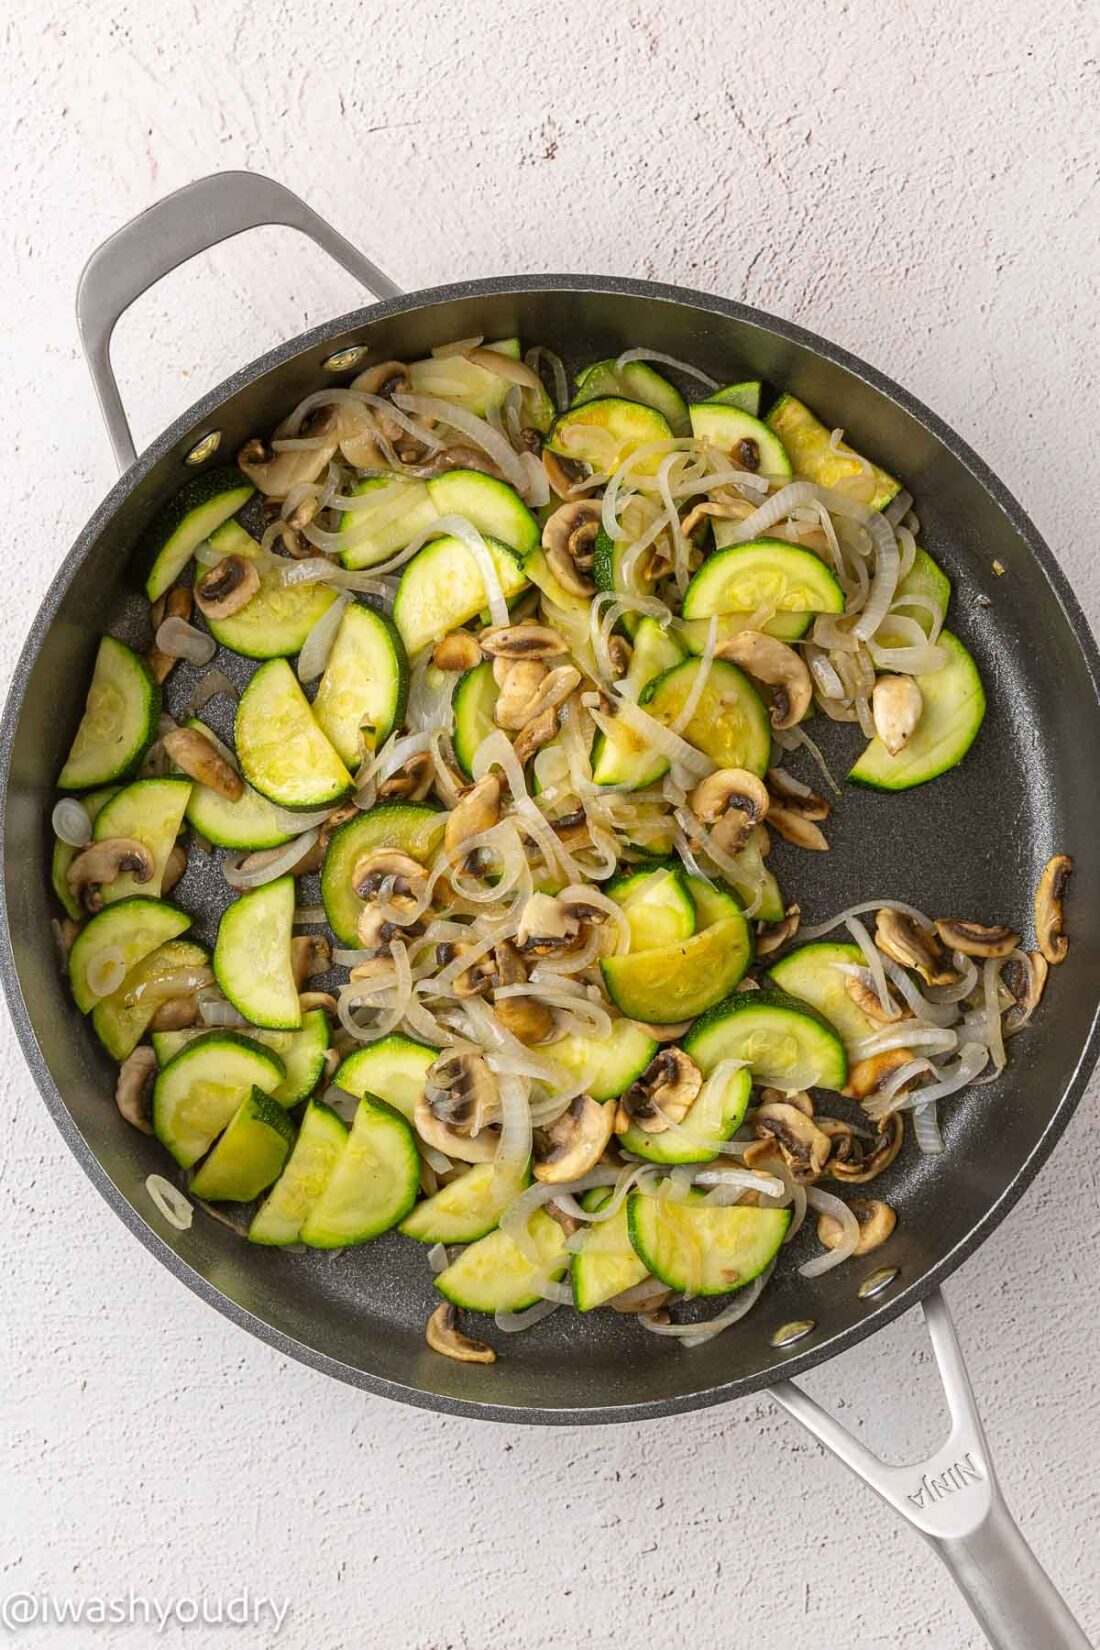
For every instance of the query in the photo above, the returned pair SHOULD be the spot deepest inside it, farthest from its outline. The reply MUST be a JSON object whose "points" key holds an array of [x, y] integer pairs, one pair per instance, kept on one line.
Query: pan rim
{"points": [[905, 1298]]}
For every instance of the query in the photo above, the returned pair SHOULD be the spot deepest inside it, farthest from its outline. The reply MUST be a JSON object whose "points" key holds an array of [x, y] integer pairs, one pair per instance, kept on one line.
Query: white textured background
{"points": [[918, 181]]}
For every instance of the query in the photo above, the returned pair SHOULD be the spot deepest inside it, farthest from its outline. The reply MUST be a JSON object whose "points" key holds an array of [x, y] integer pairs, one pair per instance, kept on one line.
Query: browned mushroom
{"points": [[443, 1335], [577, 1140], [1049, 915], [201, 760], [228, 587], [102, 863]]}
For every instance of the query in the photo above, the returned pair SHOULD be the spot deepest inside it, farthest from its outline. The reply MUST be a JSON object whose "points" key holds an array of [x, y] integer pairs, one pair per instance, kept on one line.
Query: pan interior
{"points": [[970, 844]]}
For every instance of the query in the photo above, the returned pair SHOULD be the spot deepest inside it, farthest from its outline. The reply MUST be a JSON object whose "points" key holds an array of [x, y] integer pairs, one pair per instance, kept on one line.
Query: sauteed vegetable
{"points": [[530, 672]]}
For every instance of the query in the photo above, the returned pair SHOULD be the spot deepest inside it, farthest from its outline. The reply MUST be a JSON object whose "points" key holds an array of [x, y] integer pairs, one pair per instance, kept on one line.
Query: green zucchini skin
{"points": [[197, 1093], [746, 395], [732, 1029], [611, 1063], [737, 432], [606, 1263], [703, 1249], [495, 1275], [725, 583], [282, 751], [815, 974], [393, 1070], [321, 1140], [181, 525], [658, 905], [373, 1184], [119, 722], [133, 926], [413, 828], [473, 703], [730, 723], [954, 710], [252, 956], [276, 622], [302, 1053], [250, 1154], [467, 1208], [365, 682], [678, 982], [635, 381], [605, 431]]}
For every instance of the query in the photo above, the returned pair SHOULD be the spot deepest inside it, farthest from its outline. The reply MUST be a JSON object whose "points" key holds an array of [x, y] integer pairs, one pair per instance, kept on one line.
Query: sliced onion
{"points": [[461, 528], [972, 1061], [208, 687], [309, 916], [907, 1034], [317, 646], [161, 988], [662, 739], [438, 1259], [926, 1128], [695, 1334], [964, 985], [816, 930], [515, 1221], [994, 1034], [824, 1203], [691, 703], [875, 965], [105, 971], [72, 823], [535, 357], [480, 432], [940, 1014], [177, 1210], [629, 355], [179, 640], [512, 1323], [215, 1010], [275, 864]]}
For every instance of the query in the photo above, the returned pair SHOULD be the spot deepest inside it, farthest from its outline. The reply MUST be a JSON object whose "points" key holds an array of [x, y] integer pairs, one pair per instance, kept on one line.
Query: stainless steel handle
{"points": [[954, 1500], [151, 245]]}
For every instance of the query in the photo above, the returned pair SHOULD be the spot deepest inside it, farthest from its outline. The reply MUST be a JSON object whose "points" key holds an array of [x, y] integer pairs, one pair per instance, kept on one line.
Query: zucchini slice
{"points": [[710, 1120], [748, 441], [700, 1248], [150, 811], [362, 694], [634, 381], [756, 880], [786, 1043], [609, 1064], [373, 1184], [198, 1091], [189, 517], [711, 904], [276, 622], [252, 956], [474, 701], [282, 752], [119, 721], [609, 574], [466, 1209], [494, 508], [495, 1275], [730, 722], [623, 757], [402, 509], [393, 1070], [302, 1053], [605, 432], [924, 578], [745, 395], [677, 982], [120, 1020], [954, 710], [785, 627], [414, 829], [763, 573], [810, 446], [321, 1139], [250, 1154], [126, 932], [63, 855], [658, 906], [815, 973], [251, 822], [463, 381], [442, 586], [606, 1262]]}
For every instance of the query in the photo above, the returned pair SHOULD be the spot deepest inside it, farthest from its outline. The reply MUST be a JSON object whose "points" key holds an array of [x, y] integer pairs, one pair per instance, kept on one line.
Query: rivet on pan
{"points": [[344, 359], [788, 1333], [204, 449], [875, 1282]]}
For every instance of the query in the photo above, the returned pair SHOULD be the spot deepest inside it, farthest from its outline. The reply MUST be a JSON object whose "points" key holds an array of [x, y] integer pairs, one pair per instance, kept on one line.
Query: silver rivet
{"points": [[204, 449], [875, 1282], [788, 1333], [344, 359]]}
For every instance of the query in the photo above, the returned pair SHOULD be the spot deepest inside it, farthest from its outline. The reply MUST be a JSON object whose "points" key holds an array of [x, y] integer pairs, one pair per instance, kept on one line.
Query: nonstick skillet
{"points": [[973, 843]]}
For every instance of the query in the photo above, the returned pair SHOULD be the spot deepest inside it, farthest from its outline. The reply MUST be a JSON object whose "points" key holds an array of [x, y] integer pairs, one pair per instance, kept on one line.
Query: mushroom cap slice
{"points": [[576, 1141]]}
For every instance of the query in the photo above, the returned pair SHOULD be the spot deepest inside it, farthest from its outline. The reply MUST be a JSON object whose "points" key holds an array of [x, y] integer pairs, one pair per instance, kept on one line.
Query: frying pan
{"points": [[972, 844]]}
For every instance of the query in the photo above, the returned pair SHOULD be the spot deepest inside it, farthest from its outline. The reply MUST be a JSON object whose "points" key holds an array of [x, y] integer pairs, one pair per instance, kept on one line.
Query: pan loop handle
{"points": [[954, 1500], [156, 242]]}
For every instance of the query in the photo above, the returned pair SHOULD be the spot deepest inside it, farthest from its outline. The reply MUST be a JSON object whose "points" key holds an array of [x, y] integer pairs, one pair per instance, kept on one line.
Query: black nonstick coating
{"points": [[971, 844]]}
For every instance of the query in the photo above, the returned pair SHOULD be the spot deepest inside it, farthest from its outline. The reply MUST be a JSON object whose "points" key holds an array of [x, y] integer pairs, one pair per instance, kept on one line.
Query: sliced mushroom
{"points": [[411, 782], [733, 801], [1025, 981], [802, 1099], [457, 651], [804, 1146], [569, 540], [792, 790], [102, 862], [459, 1110], [522, 641], [575, 1142], [443, 1335], [866, 1077], [176, 1013], [974, 939], [274, 474], [385, 379], [862, 1165], [536, 733], [663, 1094], [174, 867], [665, 1034], [309, 1000], [896, 705], [526, 1018], [133, 1091], [771, 935], [861, 989], [1049, 915], [844, 1144], [477, 811], [202, 761], [637, 1299], [778, 667], [519, 681], [546, 927], [554, 689], [793, 826], [405, 874], [563, 474], [175, 604], [310, 955], [876, 1222], [228, 587], [913, 947]]}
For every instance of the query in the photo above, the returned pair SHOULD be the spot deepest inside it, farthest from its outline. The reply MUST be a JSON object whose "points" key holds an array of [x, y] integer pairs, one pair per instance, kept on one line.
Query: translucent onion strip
{"points": [[824, 1203]]}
